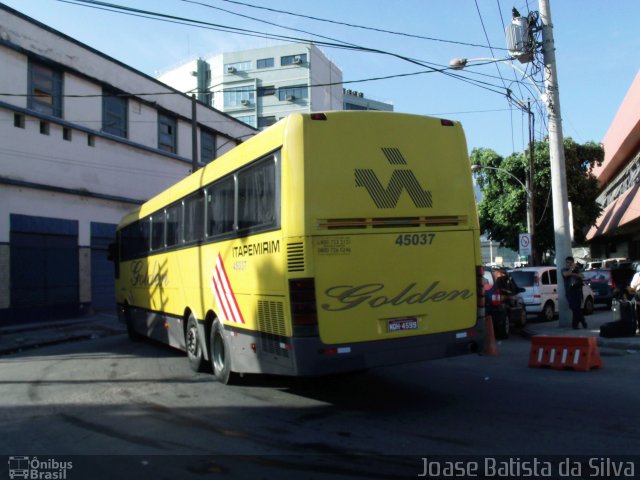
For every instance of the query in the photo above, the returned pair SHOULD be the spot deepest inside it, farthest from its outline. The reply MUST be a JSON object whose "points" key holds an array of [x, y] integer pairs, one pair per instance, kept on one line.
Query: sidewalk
{"points": [[17, 338], [594, 321]]}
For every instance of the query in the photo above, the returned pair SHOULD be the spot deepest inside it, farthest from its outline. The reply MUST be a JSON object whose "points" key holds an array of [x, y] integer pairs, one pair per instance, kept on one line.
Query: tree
{"points": [[503, 207]]}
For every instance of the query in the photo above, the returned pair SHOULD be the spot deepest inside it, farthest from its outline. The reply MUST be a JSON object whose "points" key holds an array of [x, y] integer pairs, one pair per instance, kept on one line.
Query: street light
{"points": [[530, 218], [459, 64]]}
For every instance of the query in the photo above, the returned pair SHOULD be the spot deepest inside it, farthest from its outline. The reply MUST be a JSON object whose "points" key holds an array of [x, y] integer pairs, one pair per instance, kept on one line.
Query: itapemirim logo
{"points": [[401, 179], [38, 469]]}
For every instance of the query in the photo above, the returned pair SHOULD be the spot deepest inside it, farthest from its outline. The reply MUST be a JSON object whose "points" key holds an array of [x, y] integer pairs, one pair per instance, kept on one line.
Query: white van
{"points": [[541, 291]]}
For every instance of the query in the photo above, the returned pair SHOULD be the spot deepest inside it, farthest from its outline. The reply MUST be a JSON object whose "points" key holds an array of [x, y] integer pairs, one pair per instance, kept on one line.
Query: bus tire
{"points": [[193, 346], [221, 355], [134, 336]]}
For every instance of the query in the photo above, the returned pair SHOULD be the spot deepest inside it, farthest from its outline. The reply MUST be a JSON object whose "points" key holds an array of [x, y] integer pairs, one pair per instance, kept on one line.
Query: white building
{"points": [[261, 86], [354, 100], [85, 139]]}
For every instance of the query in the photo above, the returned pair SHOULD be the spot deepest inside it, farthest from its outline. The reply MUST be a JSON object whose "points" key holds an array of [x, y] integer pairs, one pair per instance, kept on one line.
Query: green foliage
{"points": [[503, 208]]}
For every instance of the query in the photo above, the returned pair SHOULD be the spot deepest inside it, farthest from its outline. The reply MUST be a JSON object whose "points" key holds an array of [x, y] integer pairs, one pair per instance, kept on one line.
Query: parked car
{"points": [[608, 283], [502, 301], [541, 291]]}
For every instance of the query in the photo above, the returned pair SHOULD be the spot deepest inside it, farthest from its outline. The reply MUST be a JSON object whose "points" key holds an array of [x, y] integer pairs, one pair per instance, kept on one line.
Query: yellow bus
{"points": [[330, 242]]}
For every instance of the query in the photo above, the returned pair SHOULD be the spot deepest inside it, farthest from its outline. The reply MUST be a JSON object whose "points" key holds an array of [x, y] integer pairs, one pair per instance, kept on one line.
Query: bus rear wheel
{"points": [[192, 342], [221, 355]]}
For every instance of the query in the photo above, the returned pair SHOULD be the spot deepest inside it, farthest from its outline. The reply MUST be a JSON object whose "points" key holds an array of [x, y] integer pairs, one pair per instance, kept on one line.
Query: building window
{"points": [[233, 97], [44, 127], [66, 133], [293, 60], [266, 91], [45, 90], [114, 114], [167, 135], [18, 120], [248, 119], [207, 146], [264, 122], [293, 93], [91, 140], [353, 106], [264, 63], [237, 67]]}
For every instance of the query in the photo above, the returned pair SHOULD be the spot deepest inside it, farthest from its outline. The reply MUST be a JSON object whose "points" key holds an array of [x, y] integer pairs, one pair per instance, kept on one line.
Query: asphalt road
{"points": [[108, 396]]}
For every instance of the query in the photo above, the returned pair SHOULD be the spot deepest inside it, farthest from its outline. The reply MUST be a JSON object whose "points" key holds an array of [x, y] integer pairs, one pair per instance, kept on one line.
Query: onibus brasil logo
{"points": [[40, 469]]}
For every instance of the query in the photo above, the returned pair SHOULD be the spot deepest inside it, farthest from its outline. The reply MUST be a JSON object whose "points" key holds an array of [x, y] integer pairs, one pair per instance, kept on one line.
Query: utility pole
{"points": [[194, 134], [556, 150], [531, 222]]}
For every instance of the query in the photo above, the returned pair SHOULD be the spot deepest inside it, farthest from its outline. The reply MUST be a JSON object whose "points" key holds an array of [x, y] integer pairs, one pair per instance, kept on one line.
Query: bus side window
{"points": [[157, 230], [220, 207], [257, 195], [174, 219], [143, 237], [194, 217]]}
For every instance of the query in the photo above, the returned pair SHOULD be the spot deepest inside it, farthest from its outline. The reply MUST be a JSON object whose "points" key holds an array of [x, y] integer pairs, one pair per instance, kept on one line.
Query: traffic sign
{"points": [[525, 244]]}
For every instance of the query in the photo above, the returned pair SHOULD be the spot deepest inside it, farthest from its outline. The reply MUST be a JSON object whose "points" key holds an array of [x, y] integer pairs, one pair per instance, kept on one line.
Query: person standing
{"points": [[573, 281]]}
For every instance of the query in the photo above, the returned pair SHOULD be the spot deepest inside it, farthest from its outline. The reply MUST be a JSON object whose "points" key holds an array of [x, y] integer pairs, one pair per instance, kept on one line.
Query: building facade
{"points": [[264, 85], [85, 139], [354, 100], [617, 230]]}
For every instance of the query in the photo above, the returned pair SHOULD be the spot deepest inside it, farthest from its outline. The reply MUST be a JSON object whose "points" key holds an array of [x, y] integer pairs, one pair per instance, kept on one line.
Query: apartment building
{"points": [[261, 86], [85, 138]]}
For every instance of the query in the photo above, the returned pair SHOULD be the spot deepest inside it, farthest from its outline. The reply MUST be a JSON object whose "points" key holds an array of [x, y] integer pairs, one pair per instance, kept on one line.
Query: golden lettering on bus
{"points": [[153, 275], [346, 297]]}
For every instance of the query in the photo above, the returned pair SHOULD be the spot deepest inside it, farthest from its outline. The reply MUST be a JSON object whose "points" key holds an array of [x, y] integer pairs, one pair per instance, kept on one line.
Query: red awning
{"points": [[625, 209]]}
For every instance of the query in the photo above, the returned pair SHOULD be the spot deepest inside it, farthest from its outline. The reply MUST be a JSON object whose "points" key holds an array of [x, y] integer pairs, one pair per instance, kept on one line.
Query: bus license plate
{"points": [[400, 324]]}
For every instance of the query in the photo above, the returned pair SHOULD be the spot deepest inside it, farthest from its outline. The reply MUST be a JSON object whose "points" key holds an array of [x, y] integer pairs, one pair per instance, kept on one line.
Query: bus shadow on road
{"points": [[368, 390]]}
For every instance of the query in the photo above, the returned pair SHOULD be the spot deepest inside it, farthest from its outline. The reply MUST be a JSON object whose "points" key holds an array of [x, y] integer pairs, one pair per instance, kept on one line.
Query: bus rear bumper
{"points": [[315, 358], [309, 356]]}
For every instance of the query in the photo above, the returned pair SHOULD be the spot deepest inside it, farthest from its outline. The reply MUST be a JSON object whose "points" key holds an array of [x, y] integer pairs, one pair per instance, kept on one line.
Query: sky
{"points": [[596, 42]]}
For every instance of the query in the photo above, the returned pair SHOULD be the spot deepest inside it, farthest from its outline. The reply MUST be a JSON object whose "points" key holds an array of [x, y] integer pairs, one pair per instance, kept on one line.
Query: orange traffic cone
{"points": [[489, 337]]}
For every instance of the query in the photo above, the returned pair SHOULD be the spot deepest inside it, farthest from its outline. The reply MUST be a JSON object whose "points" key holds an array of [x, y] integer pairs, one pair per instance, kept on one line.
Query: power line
{"points": [[255, 90], [241, 31], [403, 34], [262, 20]]}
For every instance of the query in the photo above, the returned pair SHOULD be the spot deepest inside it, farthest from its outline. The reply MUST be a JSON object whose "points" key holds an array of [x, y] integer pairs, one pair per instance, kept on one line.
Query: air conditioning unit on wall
{"points": [[244, 102], [231, 69]]}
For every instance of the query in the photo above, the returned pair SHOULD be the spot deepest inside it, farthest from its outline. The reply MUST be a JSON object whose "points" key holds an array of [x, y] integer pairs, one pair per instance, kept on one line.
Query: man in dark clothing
{"points": [[573, 290]]}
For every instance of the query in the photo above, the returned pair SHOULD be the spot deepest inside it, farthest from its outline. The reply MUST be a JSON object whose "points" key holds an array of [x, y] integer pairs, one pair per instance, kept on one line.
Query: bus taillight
{"points": [[304, 315]]}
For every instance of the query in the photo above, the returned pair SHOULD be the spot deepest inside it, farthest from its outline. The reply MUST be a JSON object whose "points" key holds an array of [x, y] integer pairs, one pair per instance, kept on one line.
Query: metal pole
{"points": [[556, 150], [194, 135], [531, 224]]}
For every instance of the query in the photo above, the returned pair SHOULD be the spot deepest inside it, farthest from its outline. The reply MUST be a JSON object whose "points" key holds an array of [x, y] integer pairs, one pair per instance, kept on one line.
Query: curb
{"points": [[20, 338]]}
